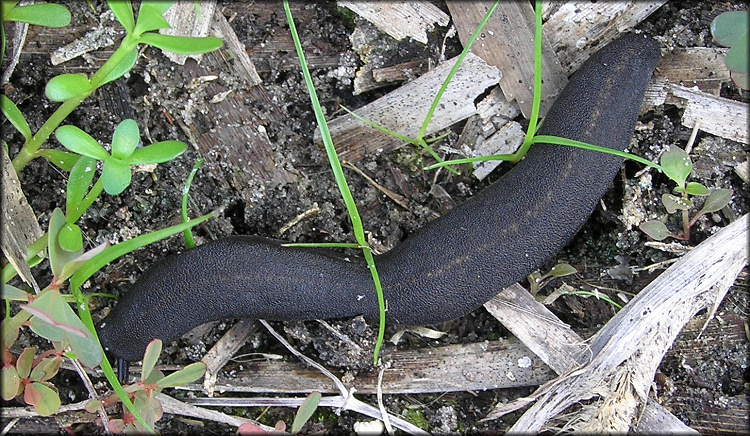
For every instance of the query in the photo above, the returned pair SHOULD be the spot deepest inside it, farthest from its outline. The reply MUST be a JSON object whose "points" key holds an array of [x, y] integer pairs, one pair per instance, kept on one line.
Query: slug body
{"points": [[447, 269]]}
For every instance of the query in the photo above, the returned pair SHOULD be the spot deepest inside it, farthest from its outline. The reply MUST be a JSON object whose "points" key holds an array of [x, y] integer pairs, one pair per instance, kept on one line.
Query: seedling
{"points": [[143, 393], [48, 314], [537, 280], [676, 165]]}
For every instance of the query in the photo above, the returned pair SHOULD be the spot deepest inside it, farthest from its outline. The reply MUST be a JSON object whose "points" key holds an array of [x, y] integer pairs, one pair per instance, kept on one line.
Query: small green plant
{"points": [[676, 165], [26, 377], [537, 280], [730, 30], [48, 313], [143, 393], [303, 415]]}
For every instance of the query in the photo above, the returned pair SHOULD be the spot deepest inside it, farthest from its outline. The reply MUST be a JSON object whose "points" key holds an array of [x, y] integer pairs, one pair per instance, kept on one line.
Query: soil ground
{"points": [[704, 383]]}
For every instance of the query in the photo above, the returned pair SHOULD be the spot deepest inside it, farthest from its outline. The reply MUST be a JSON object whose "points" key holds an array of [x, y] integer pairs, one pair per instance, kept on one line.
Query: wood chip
{"points": [[716, 115], [20, 226], [578, 29], [404, 109], [511, 49], [696, 66], [244, 66], [400, 19], [452, 368]]}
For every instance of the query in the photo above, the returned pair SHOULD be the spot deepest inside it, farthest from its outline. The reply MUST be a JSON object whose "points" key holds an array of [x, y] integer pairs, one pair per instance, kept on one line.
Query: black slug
{"points": [[447, 269]]}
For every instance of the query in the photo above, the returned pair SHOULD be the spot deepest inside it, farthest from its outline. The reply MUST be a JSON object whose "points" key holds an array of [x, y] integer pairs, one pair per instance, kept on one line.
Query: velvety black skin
{"points": [[447, 269]]}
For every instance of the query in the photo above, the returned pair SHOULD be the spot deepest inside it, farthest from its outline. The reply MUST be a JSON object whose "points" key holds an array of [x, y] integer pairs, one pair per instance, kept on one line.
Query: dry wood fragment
{"points": [[717, 115], [505, 141], [626, 352], [244, 66], [400, 19], [465, 367], [556, 344], [226, 131], [507, 42], [400, 72], [404, 109], [696, 66], [20, 226], [578, 29], [177, 407], [188, 20], [223, 350]]}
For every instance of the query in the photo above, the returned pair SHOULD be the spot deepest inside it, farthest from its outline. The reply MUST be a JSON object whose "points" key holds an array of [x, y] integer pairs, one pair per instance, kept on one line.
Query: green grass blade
{"points": [[338, 173]]}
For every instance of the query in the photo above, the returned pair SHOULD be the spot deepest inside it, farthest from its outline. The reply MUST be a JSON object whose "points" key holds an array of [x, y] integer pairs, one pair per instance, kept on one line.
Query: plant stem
{"points": [[28, 151], [87, 201]]}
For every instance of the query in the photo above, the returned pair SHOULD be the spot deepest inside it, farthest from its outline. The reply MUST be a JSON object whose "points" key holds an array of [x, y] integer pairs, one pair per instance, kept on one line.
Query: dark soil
{"points": [[709, 378]]}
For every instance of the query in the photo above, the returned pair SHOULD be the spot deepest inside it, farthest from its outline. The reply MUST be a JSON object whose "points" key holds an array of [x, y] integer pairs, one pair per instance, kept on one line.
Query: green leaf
{"points": [[70, 238], [14, 115], [46, 369], [160, 6], [24, 362], [181, 44], [717, 199], [186, 375], [75, 264], [677, 165], [561, 270], [47, 15], [79, 181], [154, 377], [742, 80], [695, 188], [153, 350], [10, 382], [123, 11], [674, 203], [50, 309], [125, 65], [125, 139], [655, 229], [58, 257], [11, 327], [116, 176], [45, 400], [10, 292], [149, 18], [158, 152], [305, 411], [61, 159], [67, 86], [78, 141], [729, 27], [54, 317], [737, 56]]}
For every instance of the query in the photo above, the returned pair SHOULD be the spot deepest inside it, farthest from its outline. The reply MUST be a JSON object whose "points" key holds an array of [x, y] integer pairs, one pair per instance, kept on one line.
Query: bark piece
{"points": [[716, 115], [400, 19], [20, 226], [464, 367], [696, 66], [578, 29], [404, 109], [510, 47]]}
